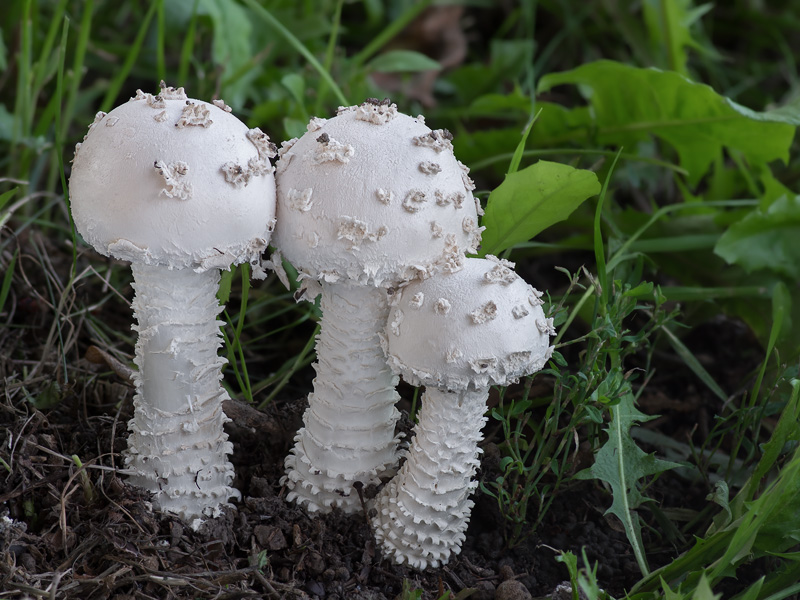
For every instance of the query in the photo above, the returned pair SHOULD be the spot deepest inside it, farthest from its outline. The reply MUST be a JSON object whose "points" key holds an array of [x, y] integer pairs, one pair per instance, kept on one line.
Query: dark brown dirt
{"points": [[102, 540], [84, 533]]}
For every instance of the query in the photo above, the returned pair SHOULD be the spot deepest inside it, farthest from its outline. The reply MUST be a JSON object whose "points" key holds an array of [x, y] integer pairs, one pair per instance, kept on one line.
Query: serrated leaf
{"points": [[224, 291], [752, 593], [631, 104], [765, 239], [621, 464], [703, 590], [402, 60], [531, 200], [669, 25]]}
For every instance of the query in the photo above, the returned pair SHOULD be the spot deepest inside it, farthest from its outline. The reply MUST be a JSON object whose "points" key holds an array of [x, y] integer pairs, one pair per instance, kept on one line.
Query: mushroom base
{"points": [[423, 513], [177, 448], [349, 427]]}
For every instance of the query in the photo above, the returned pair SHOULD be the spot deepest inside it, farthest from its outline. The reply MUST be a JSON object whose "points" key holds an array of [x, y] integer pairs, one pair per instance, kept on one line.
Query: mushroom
{"points": [[181, 189], [457, 334], [367, 200]]}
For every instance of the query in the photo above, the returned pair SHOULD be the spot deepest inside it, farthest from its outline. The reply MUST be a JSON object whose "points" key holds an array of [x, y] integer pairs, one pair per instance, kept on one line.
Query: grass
{"points": [[695, 224]]}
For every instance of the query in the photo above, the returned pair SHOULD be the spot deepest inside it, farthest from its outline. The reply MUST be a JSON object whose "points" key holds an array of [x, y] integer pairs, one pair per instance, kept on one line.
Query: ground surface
{"points": [[64, 536]]}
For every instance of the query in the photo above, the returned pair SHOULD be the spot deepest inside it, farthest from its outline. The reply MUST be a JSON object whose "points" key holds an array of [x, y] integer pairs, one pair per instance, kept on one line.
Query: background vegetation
{"points": [[684, 113]]}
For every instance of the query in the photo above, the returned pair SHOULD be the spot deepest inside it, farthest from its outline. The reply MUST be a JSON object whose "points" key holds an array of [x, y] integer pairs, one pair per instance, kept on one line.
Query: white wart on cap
{"points": [[373, 196]]}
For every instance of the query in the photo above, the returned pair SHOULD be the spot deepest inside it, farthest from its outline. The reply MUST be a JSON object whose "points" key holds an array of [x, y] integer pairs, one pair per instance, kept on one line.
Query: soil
{"points": [[83, 533]]}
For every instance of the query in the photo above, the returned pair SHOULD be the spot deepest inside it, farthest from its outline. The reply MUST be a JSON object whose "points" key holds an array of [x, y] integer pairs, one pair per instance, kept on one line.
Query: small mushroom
{"points": [[367, 229], [422, 514], [153, 191]]}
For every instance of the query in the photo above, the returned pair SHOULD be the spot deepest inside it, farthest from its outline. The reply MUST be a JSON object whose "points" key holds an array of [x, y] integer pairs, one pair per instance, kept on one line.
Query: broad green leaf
{"points": [[296, 86], [766, 239], [773, 189], [472, 147], [402, 60], [631, 104], [621, 464], [500, 104], [669, 24], [531, 200], [294, 127], [554, 127]]}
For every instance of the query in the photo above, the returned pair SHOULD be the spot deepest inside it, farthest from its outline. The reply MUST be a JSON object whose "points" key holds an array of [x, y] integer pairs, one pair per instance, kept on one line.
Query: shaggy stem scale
{"points": [[177, 447], [349, 426], [424, 511]]}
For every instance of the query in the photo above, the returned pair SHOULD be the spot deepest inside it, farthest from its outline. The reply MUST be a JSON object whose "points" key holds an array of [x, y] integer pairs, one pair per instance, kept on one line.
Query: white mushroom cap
{"points": [[176, 182], [374, 196], [479, 326]]}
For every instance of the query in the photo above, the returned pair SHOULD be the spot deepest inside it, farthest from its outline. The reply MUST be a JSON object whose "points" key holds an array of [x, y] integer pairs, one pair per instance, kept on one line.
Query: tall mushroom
{"points": [[366, 200], [457, 334], [181, 189]]}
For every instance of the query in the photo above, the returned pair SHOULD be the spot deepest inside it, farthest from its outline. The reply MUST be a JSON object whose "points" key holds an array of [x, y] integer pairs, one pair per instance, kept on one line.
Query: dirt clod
{"points": [[512, 589]]}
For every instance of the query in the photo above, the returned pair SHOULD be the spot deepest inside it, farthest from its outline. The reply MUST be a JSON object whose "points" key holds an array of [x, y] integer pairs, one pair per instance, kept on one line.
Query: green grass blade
{"points": [[59, 142], [133, 54], [599, 251], [391, 30], [785, 430], [781, 308], [161, 62], [329, 54], [84, 34], [5, 197], [624, 249], [187, 48], [502, 157], [7, 279], [299, 361], [270, 20], [24, 104], [42, 65], [691, 361], [516, 159]]}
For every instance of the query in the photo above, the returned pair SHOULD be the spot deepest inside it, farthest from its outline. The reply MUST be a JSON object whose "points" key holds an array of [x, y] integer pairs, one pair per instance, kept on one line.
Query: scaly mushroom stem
{"points": [[177, 446], [349, 426], [422, 514]]}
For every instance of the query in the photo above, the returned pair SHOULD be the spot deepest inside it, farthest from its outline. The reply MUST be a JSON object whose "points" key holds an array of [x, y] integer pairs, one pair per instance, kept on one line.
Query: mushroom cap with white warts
{"points": [[479, 326], [373, 196], [171, 181]]}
